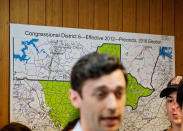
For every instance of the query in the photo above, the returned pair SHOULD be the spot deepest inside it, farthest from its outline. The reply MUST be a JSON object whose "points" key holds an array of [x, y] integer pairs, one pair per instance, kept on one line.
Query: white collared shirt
{"points": [[77, 127]]}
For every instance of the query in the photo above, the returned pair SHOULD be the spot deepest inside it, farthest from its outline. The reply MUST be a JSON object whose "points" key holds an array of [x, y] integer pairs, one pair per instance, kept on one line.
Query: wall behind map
{"points": [[140, 16]]}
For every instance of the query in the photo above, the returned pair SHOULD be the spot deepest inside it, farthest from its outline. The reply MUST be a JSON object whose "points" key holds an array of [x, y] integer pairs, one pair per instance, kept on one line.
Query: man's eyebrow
{"points": [[104, 88], [169, 97], [100, 88], [120, 88]]}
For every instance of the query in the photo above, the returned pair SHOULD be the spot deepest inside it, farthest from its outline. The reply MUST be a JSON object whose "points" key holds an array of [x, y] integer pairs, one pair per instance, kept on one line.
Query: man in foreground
{"points": [[99, 92]]}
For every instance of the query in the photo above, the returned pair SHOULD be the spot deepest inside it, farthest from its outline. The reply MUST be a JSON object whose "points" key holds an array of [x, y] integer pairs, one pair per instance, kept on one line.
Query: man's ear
{"points": [[75, 98]]}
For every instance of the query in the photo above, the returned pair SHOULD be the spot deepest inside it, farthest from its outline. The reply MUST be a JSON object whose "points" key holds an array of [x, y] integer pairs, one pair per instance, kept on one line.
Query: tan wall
{"points": [[142, 16]]}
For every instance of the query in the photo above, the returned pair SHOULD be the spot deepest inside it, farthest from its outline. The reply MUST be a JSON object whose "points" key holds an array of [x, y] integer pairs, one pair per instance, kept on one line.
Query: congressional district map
{"points": [[41, 59]]}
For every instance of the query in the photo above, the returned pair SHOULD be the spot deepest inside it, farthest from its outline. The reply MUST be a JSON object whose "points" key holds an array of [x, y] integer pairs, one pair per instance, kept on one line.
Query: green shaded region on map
{"points": [[56, 97], [135, 91], [56, 93], [111, 49]]}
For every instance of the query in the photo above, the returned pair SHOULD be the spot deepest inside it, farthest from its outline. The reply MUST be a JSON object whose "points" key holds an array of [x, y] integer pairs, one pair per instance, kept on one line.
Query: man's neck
{"points": [[181, 127], [175, 128], [84, 125]]}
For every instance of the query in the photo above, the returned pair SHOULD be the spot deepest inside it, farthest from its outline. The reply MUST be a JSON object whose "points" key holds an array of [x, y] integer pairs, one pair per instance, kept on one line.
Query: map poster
{"points": [[41, 58]]}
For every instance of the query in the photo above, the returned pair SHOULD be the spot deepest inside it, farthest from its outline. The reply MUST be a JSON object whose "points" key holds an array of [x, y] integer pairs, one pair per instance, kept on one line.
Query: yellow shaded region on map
{"points": [[134, 89], [111, 49], [56, 97]]}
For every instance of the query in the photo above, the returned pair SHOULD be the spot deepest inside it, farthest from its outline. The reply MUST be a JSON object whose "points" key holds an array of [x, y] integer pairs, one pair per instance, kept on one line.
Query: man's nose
{"points": [[176, 105], [111, 102]]}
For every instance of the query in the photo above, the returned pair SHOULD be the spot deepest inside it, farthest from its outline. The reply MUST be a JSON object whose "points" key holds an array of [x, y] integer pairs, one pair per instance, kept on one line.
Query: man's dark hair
{"points": [[93, 65], [180, 94], [14, 126]]}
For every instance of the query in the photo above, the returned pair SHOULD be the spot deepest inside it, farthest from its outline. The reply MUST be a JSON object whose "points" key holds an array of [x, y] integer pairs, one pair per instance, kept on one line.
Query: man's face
{"points": [[103, 101], [173, 109]]}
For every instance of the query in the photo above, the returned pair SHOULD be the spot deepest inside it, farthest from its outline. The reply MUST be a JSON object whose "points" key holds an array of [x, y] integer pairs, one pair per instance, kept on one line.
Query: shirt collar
{"points": [[77, 127]]}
